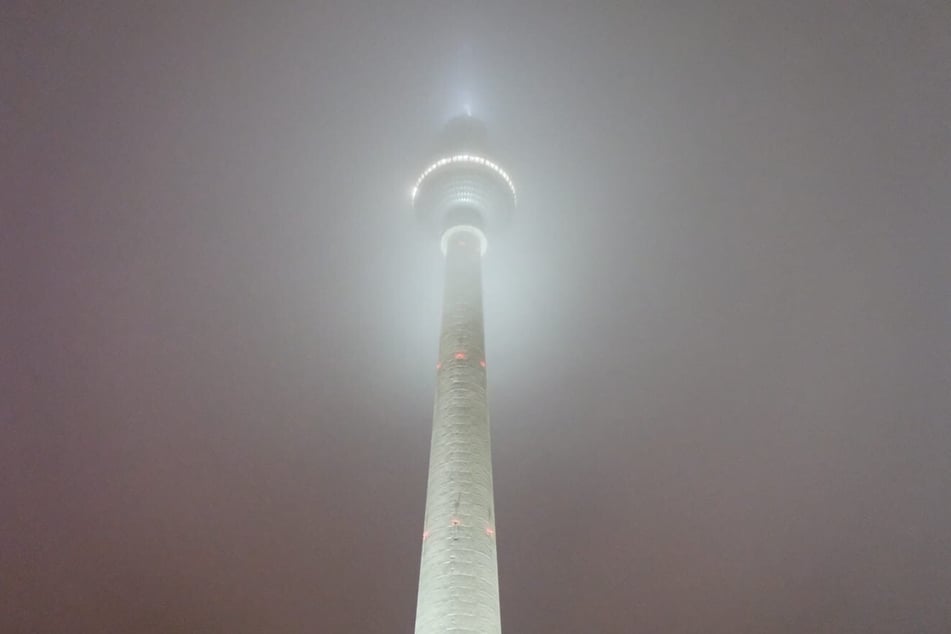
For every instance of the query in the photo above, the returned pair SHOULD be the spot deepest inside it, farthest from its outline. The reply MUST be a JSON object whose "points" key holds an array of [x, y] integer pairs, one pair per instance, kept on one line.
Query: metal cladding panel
{"points": [[458, 580]]}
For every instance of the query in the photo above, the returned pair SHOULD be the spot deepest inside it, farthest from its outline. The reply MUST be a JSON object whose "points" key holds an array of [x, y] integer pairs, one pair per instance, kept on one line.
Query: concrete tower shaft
{"points": [[458, 580]]}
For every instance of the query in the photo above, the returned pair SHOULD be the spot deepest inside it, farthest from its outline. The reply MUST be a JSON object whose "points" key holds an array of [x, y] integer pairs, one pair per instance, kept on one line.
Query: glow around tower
{"points": [[462, 197]]}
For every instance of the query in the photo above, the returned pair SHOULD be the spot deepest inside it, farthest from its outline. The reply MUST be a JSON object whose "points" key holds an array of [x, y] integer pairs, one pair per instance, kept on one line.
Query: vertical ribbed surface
{"points": [[458, 580]]}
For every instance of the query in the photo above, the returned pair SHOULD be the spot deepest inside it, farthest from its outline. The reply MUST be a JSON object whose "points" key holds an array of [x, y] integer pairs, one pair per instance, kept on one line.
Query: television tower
{"points": [[461, 197]]}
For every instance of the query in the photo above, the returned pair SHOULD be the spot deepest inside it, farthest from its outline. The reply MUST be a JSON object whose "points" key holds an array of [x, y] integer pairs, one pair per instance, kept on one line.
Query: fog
{"points": [[718, 328]]}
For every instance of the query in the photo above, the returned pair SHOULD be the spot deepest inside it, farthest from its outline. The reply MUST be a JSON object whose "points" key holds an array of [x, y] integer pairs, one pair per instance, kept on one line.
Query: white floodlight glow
{"points": [[451, 231], [464, 158]]}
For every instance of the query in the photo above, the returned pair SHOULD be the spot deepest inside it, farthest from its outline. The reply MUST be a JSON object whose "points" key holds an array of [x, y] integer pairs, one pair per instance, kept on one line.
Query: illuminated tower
{"points": [[462, 197]]}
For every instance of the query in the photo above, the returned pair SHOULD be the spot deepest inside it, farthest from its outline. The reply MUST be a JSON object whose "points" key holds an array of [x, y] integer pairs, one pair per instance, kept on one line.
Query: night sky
{"points": [[718, 329]]}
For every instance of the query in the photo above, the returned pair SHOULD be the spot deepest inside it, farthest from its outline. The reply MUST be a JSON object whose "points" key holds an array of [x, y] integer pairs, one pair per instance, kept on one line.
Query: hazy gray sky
{"points": [[718, 329]]}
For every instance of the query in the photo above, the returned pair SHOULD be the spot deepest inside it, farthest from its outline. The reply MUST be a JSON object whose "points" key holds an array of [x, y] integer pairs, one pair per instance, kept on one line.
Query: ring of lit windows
{"points": [[464, 158]]}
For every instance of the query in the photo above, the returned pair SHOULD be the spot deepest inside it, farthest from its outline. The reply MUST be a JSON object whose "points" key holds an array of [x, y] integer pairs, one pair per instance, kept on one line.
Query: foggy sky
{"points": [[718, 328]]}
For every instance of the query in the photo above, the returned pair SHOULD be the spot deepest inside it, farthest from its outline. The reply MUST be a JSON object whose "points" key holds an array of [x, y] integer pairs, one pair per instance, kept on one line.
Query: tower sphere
{"points": [[463, 186]]}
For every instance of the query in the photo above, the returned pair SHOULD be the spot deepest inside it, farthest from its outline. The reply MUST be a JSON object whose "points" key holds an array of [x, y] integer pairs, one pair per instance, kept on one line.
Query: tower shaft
{"points": [[458, 580]]}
